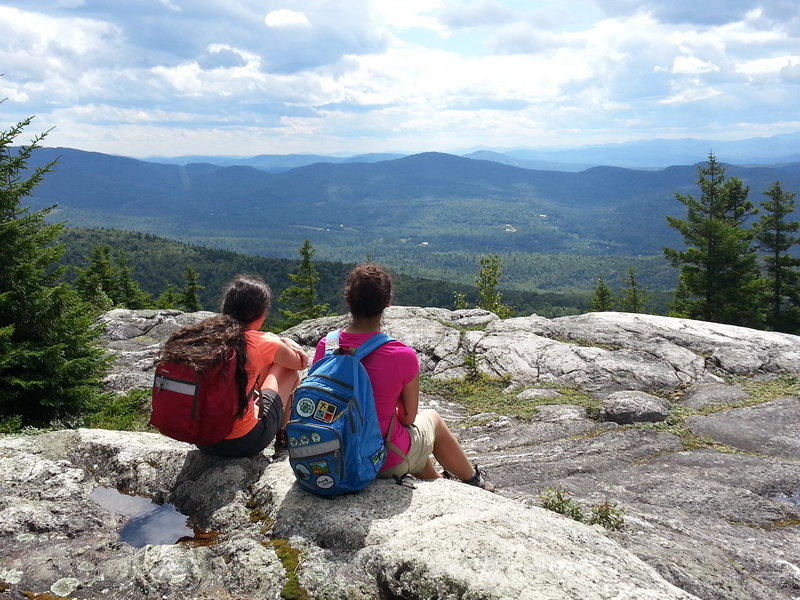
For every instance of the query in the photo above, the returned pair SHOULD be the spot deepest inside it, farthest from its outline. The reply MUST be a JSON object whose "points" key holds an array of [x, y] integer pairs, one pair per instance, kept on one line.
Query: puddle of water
{"points": [[148, 523]]}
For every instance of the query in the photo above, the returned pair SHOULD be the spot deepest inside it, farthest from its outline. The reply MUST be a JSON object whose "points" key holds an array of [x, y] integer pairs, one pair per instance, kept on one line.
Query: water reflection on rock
{"points": [[148, 523]]}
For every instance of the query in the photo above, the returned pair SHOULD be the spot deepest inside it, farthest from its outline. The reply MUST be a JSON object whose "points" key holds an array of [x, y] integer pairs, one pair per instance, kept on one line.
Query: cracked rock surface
{"points": [[710, 493]]}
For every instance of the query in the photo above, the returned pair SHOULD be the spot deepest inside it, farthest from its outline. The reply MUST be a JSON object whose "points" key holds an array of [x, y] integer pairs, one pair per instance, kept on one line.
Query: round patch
{"points": [[303, 472], [304, 440], [306, 407], [324, 482], [316, 438]]}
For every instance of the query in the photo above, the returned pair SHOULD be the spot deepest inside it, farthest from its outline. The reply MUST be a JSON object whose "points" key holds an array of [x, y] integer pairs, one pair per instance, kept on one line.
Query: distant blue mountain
{"points": [[273, 163], [645, 154], [660, 153]]}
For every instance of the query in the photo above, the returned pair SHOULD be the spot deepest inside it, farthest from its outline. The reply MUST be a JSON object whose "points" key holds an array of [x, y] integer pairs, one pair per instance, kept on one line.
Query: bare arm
{"points": [[409, 402], [291, 355]]}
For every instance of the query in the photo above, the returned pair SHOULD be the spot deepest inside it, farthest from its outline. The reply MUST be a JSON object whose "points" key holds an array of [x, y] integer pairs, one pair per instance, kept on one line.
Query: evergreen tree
{"points": [[51, 363], [169, 298], [302, 296], [777, 234], [719, 279], [190, 298], [487, 281], [130, 294], [97, 283], [633, 298], [602, 298]]}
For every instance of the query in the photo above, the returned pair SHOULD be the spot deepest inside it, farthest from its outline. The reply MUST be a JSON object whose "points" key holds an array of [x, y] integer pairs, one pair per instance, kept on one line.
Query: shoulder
{"points": [[400, 352], [261, 337], [399, 347]]}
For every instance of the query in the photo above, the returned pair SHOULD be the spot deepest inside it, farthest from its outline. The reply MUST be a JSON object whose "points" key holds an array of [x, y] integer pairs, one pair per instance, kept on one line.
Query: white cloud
{"points": [[286, 18], [361, 75], [695, 93], [767, 66], [411, 14], [691, 65]]}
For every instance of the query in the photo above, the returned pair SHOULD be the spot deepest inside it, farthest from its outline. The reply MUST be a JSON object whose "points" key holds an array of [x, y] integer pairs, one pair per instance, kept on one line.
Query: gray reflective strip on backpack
{"points": [[173, 385], [314, 449], [392, 447]]}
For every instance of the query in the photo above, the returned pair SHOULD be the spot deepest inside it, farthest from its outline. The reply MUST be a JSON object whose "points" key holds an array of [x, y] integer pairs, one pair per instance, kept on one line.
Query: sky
{"points": [[148, 78]]}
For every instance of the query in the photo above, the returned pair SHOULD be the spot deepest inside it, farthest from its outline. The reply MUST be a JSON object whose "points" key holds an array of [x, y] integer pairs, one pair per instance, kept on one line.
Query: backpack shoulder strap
{"points": [[373, 343], [332, 341]]}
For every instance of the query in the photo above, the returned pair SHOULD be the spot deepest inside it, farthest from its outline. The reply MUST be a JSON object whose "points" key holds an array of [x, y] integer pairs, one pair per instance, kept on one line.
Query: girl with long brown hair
{"points": [[265, 361]]}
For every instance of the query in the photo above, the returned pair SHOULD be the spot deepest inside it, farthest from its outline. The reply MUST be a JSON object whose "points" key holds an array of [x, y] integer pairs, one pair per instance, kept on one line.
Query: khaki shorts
{"points": [[422, 433]]}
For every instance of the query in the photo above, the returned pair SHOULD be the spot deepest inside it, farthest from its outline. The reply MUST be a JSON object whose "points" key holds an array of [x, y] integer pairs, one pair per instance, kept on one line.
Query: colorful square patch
{"points": [[325, 412], [319, 467]]}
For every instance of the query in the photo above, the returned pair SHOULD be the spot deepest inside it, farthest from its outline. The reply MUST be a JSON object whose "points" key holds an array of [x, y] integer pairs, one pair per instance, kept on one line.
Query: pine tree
{"points": [[190, 298], [302, 297], [51, 363], [97, 283], [130, 294], [169, 298], [633, 298], [602, 298], [718, 278], [487, 281], [777, 234]]}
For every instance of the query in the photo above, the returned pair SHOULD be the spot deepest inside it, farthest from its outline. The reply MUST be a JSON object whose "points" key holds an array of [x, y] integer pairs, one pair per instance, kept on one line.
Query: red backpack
{"points": [[193, 406]]}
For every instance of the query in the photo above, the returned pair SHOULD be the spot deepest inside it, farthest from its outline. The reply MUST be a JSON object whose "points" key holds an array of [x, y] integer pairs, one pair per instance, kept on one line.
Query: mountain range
{"points": [[642, 154], [429, 213]]}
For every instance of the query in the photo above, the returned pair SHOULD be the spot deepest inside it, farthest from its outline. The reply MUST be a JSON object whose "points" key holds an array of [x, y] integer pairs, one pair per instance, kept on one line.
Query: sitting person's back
{"points": [[411, 436]]}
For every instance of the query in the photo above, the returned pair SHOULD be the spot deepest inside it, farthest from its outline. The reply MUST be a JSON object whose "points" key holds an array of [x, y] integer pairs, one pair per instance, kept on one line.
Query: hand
{"points": [[298, 349]]}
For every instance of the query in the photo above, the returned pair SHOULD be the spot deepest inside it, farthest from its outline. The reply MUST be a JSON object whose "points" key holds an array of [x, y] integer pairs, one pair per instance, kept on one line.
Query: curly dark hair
{"points": [[368, 290], [203, 344]]}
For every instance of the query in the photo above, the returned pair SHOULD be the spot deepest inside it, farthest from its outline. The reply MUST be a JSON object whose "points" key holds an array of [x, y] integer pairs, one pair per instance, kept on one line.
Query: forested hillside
{"points": [[157, 262], [429, 214]]}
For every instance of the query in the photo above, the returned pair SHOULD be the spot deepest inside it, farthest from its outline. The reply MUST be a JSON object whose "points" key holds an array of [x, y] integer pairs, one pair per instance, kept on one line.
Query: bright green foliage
{"points": [[602, 298], [719, 279], [51, 363], [189, 297], [560, 500], [776, 233], [460, 300], [634, 299], [126, 412], [169, 298], [487, 281], [302, 296], [608, 515]]}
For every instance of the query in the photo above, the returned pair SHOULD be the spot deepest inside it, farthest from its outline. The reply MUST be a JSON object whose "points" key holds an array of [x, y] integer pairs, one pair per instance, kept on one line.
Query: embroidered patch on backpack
{"points": [[325, 412]]}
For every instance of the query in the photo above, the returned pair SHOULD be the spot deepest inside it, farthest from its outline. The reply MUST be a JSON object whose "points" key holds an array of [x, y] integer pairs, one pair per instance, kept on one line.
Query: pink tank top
{"points": [[390, 367]]}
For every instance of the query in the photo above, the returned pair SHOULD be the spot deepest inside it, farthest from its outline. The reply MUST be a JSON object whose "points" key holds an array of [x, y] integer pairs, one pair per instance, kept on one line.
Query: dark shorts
{"points": [[259, 437]]}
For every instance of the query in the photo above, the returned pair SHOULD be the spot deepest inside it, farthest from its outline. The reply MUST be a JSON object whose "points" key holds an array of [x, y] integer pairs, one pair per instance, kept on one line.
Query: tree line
{"points": [[735, 269]]}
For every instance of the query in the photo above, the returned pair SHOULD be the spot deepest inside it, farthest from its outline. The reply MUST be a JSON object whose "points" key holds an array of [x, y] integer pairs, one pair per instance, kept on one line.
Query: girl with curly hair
{"points": [[265, 361]]}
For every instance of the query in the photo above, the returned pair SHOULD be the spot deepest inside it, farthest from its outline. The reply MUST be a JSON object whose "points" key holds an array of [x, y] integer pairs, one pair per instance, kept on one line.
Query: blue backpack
{"points": [[335, 441]]}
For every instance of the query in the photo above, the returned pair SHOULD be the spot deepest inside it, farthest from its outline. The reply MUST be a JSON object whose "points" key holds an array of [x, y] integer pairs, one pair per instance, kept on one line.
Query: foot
{"points": [[478, 480]]}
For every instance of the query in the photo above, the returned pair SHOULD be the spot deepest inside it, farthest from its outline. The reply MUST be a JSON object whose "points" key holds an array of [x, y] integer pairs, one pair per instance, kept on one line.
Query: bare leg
{"points": [[283, 381], [448, 452], [429, 472]]}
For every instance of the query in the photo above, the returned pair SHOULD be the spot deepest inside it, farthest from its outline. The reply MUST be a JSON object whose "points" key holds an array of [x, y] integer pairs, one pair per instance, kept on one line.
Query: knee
{"points": [[435, 418]]}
